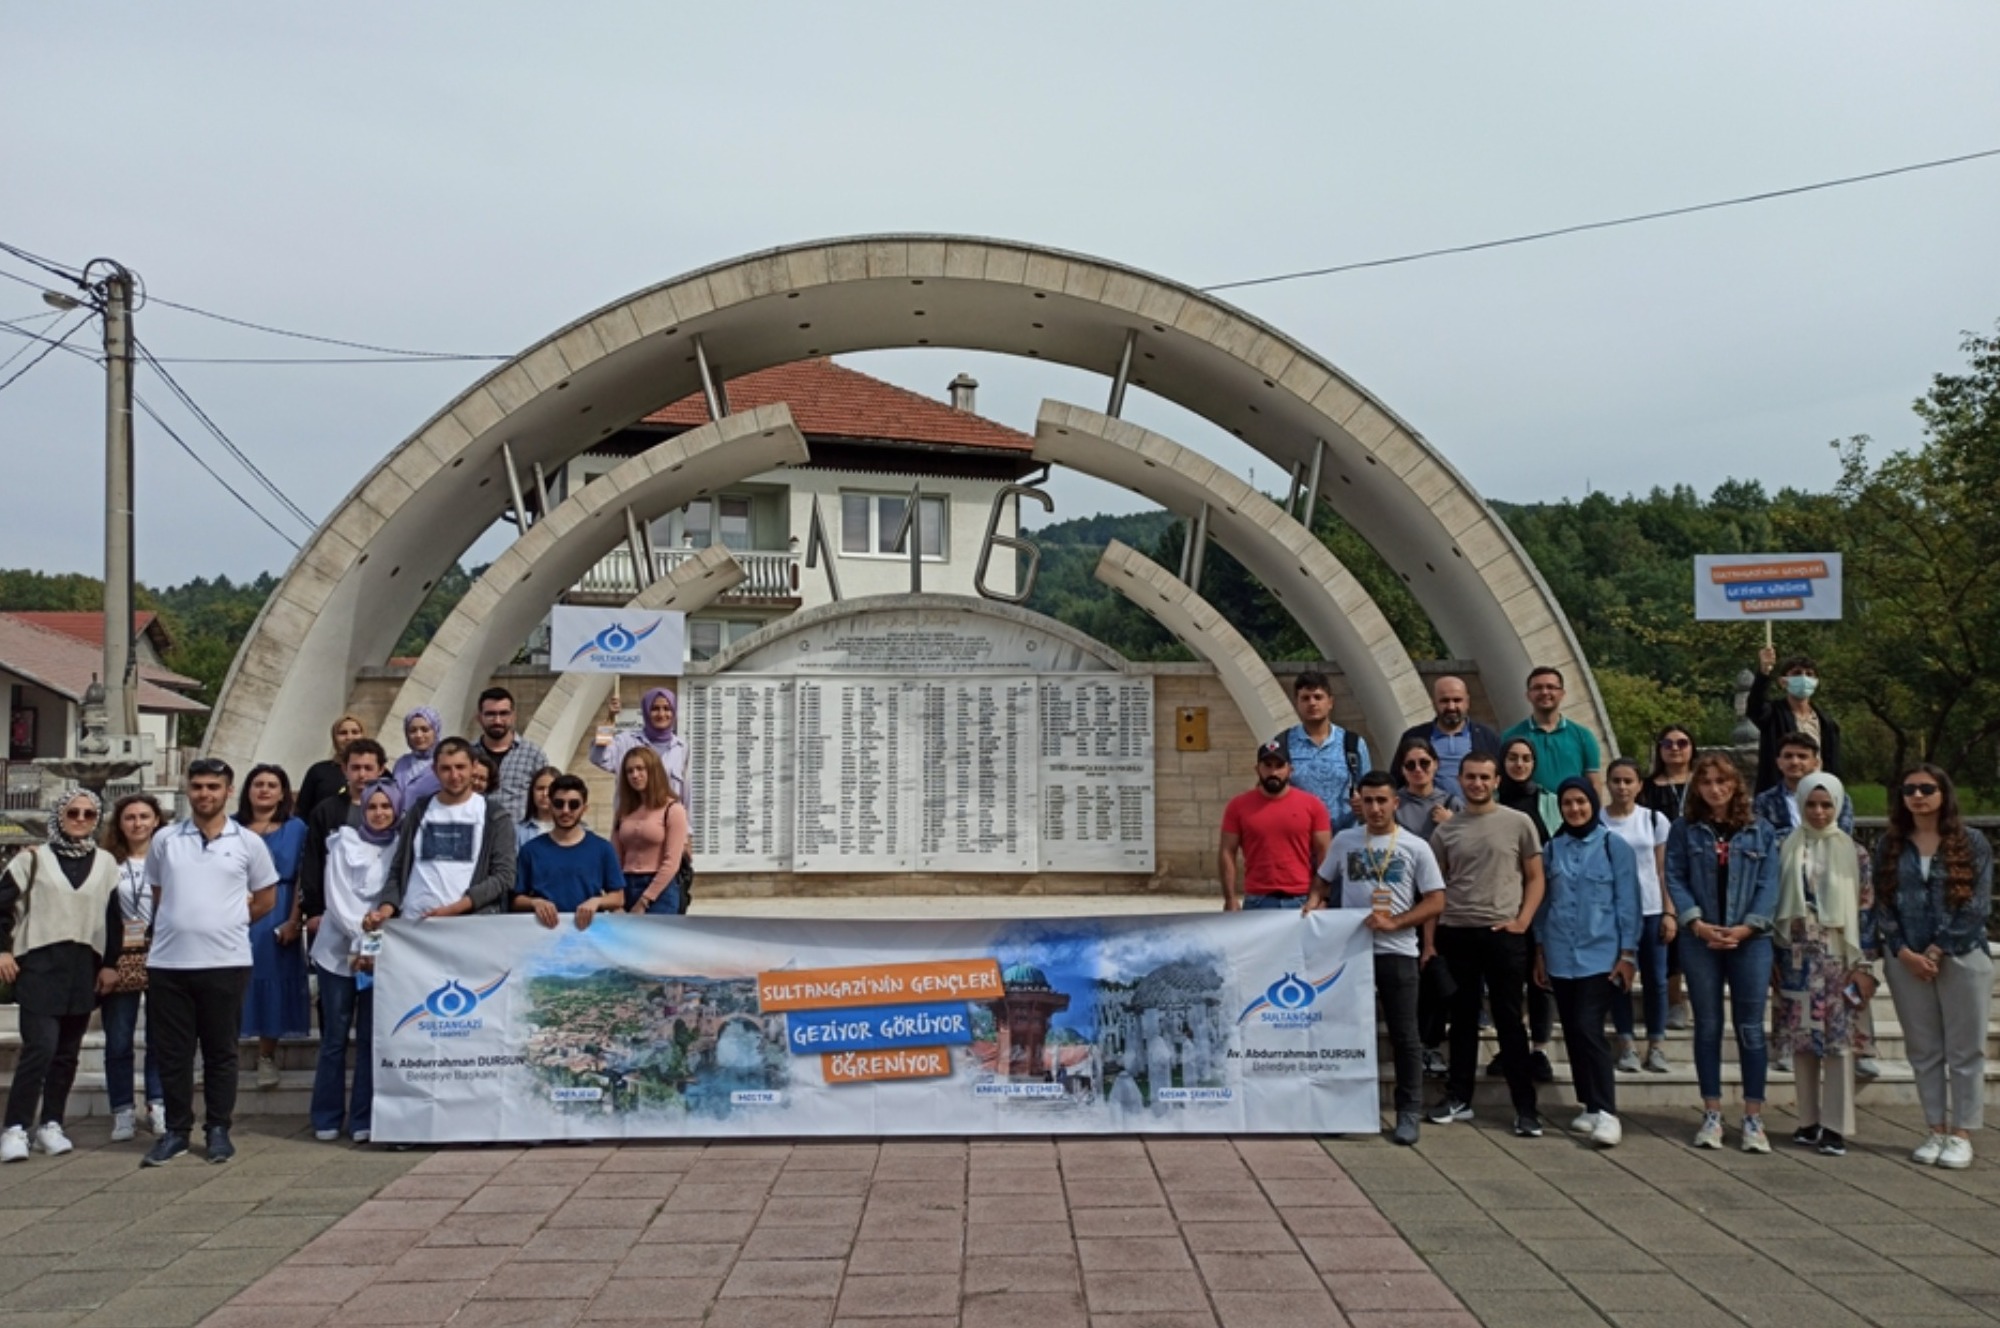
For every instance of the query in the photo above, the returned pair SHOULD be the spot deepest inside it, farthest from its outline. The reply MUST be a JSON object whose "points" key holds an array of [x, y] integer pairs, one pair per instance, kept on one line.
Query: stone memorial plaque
{"points": [[742, 747], [1096, 774]]}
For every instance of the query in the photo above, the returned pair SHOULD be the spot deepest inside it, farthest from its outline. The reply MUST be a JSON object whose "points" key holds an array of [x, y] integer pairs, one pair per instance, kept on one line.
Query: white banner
{"points": [[1759, 587], [496, 1028], [646, 641]]}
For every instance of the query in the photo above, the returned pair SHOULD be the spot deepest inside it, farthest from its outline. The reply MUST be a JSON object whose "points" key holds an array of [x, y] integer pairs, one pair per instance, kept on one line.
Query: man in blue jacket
{"points": [[1452, 732]]}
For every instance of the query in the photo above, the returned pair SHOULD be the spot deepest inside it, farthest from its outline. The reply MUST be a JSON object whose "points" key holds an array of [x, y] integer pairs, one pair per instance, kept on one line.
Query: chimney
{"points": [[964, 391]]}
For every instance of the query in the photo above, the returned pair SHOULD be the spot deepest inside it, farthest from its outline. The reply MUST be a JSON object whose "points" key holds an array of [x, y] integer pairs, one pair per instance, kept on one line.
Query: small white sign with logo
{"points": [[642, 641]]}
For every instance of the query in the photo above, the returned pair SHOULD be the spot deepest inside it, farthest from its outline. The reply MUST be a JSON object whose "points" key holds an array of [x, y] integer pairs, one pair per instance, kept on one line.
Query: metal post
{"points": [[1312, 482], [542, 488], [1298, 483], [121, 672], [818, 547], [641, 570], [711, 391], [1124, 375], [1199, 540], [514, 485], [911, 531]]}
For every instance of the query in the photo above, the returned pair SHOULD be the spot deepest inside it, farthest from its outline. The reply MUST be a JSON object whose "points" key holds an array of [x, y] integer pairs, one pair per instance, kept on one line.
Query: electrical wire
{"points": [[248, 506], [194, 408], [325, 341], [1634, 220], [54, 344], [14, 325], [48, 265], [322, 359]]}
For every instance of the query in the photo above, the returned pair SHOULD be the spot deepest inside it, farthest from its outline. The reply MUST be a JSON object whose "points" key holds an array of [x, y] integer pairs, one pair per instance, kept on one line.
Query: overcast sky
{"points": [[469, 177]]}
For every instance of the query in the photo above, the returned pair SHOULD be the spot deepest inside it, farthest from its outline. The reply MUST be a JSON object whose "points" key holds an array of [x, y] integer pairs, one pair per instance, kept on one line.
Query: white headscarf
{"points": [[1833, 863]]}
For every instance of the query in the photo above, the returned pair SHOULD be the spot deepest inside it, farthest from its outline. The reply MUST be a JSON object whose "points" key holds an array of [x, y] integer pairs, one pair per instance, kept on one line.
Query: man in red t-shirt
{"points": [[1281, 833]]}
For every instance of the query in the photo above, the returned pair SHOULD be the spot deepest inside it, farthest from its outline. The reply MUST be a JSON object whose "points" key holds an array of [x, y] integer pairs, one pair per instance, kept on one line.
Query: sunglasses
{"points": [[1920, 790], [1418, 765], [1675, 742], [79, 814], [566, 804], [208, 766]]}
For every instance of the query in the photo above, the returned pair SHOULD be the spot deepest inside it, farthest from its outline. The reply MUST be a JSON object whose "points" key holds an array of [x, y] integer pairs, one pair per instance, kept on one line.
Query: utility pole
{"points": [[121, 665]]}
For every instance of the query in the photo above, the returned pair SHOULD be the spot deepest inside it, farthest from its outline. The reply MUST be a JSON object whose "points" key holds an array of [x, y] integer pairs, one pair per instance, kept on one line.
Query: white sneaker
{"points": [[123, 1125], [51, 1139], [1584, 1124], [1957, 1153], [1754, 1138], [1710, 1133], [326, 1136], [156, 1118], [267, 1073], [1928, 1152], [1607, 1132], [361, 1136], [14, 1144]]}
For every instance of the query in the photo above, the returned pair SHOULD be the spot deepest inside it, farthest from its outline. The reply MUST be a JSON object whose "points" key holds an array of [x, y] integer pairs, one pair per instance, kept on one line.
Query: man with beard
{"points": [[1281, 833], [517, 758]]}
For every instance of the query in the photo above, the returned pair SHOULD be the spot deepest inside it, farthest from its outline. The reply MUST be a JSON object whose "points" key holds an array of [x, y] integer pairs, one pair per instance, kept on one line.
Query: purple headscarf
{"points": [[654, 735], [387, 788], [424, 712]]}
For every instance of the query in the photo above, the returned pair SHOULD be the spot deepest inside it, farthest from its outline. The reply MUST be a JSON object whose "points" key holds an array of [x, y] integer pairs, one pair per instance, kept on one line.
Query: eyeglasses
{"points": [[1675, 742], [1418, 764], [566, 804], [1920, 790], [83, 814]]}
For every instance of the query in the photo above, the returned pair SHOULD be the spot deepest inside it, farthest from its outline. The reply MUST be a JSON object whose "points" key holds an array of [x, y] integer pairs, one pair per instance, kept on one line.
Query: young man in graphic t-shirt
{"points": [[1379, 866], [456, 851], [1281, 833]]}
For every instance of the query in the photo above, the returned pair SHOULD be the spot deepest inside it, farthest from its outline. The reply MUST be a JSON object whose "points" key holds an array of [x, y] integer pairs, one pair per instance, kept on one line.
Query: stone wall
{"points": [[1191, 788]]}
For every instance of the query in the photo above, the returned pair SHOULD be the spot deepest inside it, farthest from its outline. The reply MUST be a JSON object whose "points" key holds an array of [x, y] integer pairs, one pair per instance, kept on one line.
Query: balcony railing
{"points": [[770, 576]]}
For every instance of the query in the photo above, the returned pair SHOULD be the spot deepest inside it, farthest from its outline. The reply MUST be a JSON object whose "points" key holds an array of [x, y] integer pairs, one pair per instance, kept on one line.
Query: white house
{"points": [[871, 444]]}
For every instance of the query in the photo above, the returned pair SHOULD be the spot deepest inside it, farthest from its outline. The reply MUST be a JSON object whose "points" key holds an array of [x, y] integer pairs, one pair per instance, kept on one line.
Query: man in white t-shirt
{"points": [[1392, 874], [211, 879], [456, 851]]}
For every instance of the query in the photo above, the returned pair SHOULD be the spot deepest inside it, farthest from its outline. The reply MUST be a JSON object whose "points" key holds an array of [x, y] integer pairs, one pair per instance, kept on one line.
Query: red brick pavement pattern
{"points": [[1090, 1233]]}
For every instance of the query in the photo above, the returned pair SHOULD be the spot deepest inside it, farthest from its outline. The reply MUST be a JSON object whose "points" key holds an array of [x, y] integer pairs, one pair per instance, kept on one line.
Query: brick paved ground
{"points": [[1107, 1233]]}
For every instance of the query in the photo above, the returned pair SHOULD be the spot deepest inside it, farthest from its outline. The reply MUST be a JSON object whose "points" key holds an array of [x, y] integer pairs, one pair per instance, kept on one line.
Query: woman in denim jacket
{"points": [[1933, 895], [1722, 871], [1587, 931]]}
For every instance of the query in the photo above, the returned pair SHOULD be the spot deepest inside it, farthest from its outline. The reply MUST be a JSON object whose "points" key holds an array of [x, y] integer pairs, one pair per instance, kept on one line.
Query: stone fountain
{"points": [[95, 765]]}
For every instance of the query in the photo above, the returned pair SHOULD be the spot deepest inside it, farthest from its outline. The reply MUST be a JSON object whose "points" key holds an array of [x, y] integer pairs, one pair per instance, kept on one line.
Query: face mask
{"points": [[1801, 685]]}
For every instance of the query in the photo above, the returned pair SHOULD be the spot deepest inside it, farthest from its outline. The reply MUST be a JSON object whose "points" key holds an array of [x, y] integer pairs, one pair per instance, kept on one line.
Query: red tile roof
{"points": [[830, 401], [89, 625], [65, 664]]}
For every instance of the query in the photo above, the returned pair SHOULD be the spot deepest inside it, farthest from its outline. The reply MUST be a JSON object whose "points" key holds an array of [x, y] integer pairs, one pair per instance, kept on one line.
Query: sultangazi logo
{"points": [[616, 646], [1287, 1003], [449, 1011]]}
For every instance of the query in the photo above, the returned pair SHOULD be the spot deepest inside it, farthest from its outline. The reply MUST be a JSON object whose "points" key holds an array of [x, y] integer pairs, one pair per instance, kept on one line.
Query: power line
{"points": [[228, 445], [1604, 225], [325, 341], [323, 359], [48, 265], [54, 344], [248, 506], [14, 325]]}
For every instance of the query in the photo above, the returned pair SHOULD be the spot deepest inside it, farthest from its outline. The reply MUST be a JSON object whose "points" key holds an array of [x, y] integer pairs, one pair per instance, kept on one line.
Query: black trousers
{"points": [[50, 1047], [1396, 983], [190, 1007], [1583, 1003], [1495, 962], [1541, 1010], [1434, 992]]}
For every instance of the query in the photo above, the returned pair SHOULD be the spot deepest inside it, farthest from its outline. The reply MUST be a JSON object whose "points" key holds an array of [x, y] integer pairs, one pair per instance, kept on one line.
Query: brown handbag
{"points": [[132, 958]]}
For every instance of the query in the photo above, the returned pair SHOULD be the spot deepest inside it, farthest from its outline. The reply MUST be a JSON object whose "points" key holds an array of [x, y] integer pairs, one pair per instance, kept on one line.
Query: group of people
{"points": [[1516, 879], [210, 925]]}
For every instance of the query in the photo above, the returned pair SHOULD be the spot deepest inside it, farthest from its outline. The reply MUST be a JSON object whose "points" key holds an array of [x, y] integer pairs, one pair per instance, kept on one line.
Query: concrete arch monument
{"points": [[352, 589]]}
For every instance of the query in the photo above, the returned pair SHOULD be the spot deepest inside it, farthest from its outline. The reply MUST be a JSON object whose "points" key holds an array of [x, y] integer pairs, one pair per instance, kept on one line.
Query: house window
{"points": [[706, 520], [707, 636], [869, 523]]}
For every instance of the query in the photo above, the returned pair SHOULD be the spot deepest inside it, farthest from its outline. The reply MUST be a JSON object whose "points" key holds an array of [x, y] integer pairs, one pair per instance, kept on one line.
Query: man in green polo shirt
{"points": [[1563, 750]]}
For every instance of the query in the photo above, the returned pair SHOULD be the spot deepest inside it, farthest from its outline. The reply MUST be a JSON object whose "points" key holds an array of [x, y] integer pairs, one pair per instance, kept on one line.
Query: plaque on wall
{"points": [[742, 744]]}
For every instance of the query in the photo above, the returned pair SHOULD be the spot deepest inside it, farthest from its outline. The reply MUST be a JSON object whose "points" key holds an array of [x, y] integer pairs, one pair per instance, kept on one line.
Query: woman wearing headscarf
{"points": [[357, 865], [414, 775], [60, 933], [661, 709], [328, 779], [1823, 930], [1588, 932]]}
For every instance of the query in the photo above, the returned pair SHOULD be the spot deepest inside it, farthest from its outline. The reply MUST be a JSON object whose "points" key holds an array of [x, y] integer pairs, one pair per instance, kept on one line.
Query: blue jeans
{"points": [[1747, 970], [343, 1005], [1273, 901], [1653, 982], [637, 883], [120, 1014]]}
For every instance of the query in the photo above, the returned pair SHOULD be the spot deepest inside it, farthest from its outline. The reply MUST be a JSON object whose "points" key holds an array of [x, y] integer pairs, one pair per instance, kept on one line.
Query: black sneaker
{"points": [[1528, 1127], [1539, 1067], [1407, 1129], [165, 1149], [1494, 1069], [220, 1150], [1435, 1065], [1449, 1110], [1831, 1144], [1808, 1136]]}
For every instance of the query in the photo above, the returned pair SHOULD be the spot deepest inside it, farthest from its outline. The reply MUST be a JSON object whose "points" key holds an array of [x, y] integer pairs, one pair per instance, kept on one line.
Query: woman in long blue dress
{"points": [[278, 1004]]}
